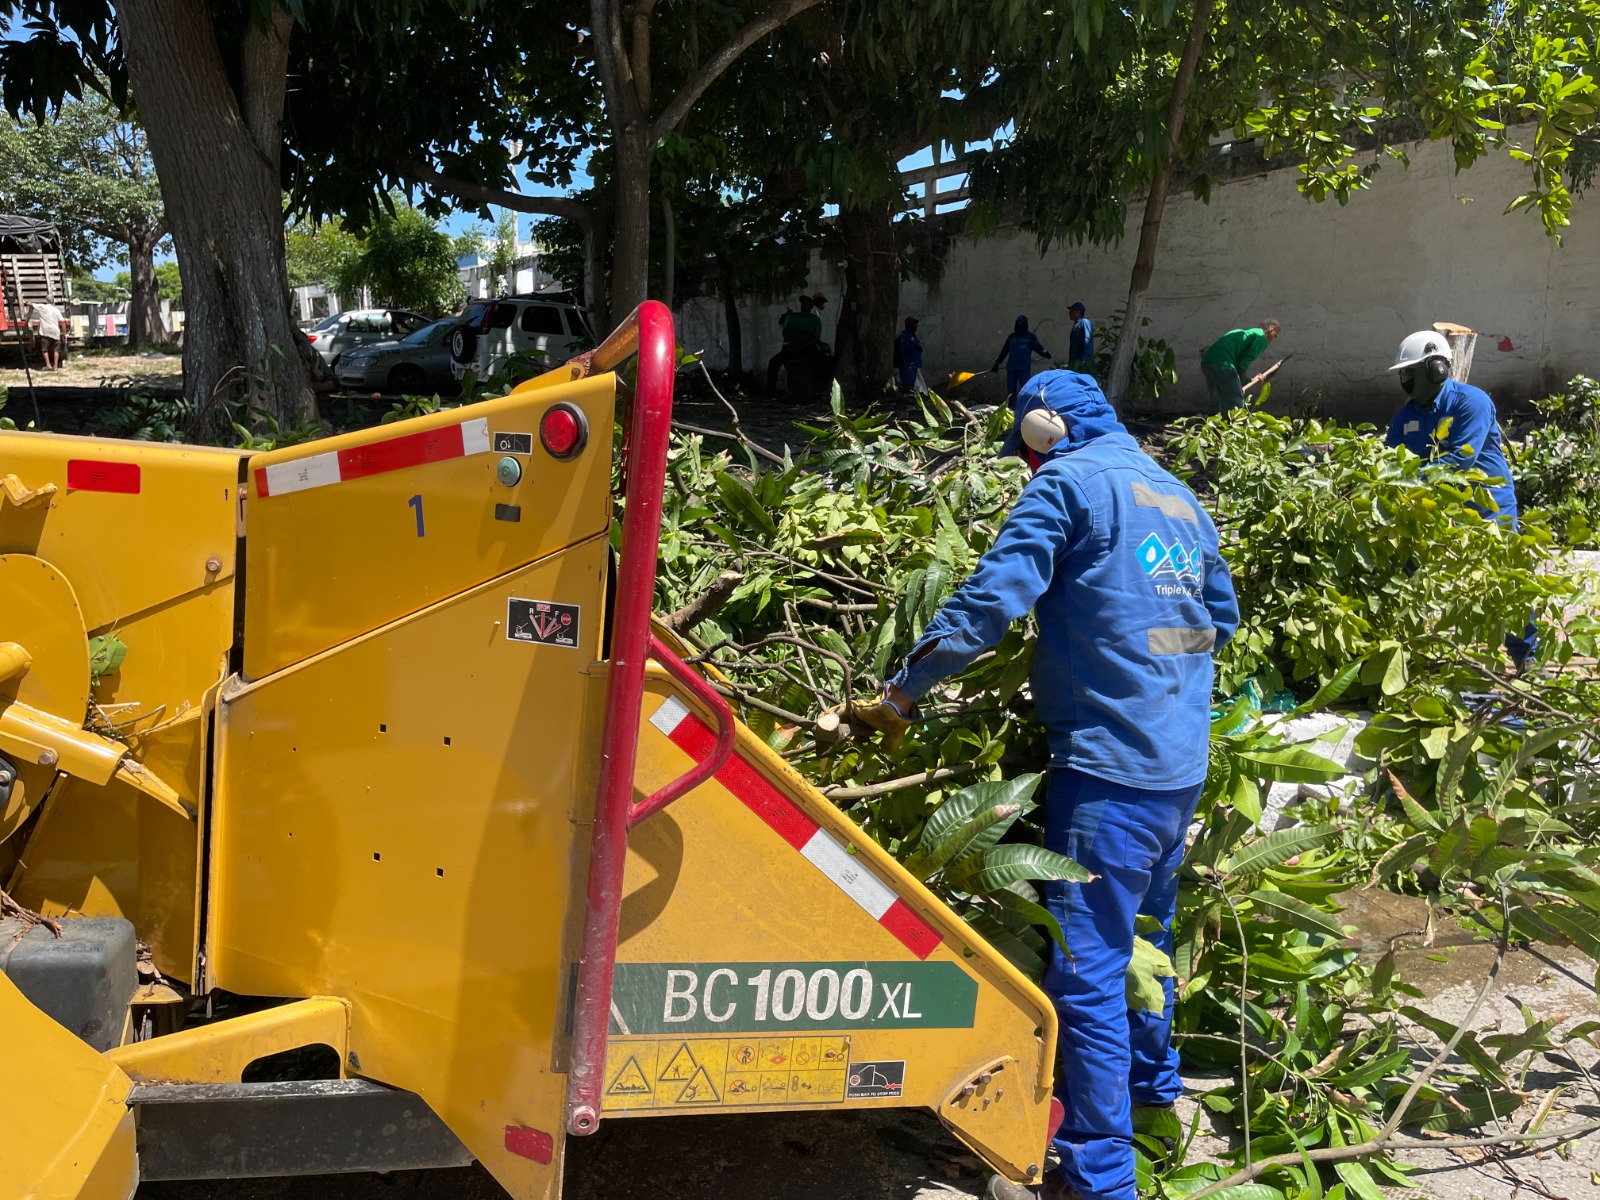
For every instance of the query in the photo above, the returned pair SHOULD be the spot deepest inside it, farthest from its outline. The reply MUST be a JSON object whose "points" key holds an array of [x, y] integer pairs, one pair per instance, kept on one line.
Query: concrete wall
{"points": [[1422, 244]]}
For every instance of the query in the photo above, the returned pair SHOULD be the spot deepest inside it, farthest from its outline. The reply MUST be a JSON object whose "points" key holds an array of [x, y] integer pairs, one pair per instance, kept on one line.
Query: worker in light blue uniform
{"points": [[1119, 563], [1450, 422], [1018, 354]]}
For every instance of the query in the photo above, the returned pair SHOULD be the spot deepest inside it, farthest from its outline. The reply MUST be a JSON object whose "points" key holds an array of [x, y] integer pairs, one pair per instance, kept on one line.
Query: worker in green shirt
{"points": [[1226, 360], [802, 337]]}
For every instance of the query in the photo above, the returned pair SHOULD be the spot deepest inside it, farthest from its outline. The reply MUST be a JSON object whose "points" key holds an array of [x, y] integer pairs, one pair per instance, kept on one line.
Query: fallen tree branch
{"points": [[29, 918], [738, 427], [834, 607], [1384, 1140], [708, 604], [905, 781], [728, 437], [783, 714]]}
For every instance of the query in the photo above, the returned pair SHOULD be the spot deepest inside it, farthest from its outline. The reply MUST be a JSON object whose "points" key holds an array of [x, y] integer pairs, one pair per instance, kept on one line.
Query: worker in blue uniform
{"points": [[1017, 354], [1119, 563], [1447, 421], [908, 356], [1080, 348]]}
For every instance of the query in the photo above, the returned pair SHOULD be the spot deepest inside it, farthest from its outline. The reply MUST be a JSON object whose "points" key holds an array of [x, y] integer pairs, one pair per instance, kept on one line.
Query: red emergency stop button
{"points": [[563, 432]]}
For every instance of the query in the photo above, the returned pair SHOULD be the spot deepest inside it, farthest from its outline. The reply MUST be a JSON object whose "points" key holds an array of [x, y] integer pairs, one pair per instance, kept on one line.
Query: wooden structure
{"points": [[30, 267]]}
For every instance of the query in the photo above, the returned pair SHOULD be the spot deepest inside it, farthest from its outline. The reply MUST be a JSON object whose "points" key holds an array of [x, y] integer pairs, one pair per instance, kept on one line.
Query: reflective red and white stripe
{"points": [[374, 458], [825, 852]]}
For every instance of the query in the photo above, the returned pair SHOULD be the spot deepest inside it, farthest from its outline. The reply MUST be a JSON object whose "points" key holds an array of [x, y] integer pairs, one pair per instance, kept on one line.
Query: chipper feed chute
{"points": [[415, 775]]}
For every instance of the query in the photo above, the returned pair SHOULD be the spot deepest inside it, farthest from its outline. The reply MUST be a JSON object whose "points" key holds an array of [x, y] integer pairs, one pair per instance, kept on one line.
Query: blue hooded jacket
{"points": [[1471, 439], [1120, 564]]}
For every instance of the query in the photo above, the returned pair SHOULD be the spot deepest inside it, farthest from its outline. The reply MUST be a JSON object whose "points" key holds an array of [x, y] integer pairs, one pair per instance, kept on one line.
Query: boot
{"points": [[1054, 1187]]}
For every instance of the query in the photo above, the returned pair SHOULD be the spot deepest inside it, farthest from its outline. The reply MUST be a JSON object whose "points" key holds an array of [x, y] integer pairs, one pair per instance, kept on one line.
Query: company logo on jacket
{"points": [[1183, 564]]}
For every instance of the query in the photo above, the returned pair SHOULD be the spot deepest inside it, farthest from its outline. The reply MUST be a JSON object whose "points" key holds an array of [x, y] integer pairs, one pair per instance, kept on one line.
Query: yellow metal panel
{"points": [[68, 1131], [347, 552], [754, 948], [115, 852], [394, 825], [219, 1053], [124, 551], [176, 652]]}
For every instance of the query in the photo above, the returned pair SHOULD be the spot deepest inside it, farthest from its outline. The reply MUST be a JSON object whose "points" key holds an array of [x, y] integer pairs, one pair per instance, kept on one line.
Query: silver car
{"points": [[332, 336], [409, 366]]}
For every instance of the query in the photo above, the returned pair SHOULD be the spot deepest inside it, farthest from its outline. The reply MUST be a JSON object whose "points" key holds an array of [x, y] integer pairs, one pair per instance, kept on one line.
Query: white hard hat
{"points": [[1042, 428], [1419, 347]]}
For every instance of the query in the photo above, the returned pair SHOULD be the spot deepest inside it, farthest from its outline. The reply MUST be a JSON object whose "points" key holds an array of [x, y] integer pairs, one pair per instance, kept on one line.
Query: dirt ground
{"points": [[96, 370]]}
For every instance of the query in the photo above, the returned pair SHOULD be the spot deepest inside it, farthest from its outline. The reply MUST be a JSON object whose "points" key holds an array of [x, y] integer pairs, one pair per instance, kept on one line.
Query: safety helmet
{"points": [[1042, 429], [1420, 347], [911, 322]]}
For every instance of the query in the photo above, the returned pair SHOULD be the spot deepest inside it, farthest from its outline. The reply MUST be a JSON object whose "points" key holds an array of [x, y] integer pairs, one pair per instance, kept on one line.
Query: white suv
{"points": [[490, 331]]}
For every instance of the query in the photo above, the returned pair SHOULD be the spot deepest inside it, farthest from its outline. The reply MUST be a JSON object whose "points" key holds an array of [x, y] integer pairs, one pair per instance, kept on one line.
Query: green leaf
{"points": [[1359, 1180], [1579, 925], [1022, 954], [961, 840], [106, 652], [960, 808], [1035, 914], [1298, 913], [1419, 817], [1148, 967], [1004, 865], [1277, 847], [1292, 764], [1399, 857]]}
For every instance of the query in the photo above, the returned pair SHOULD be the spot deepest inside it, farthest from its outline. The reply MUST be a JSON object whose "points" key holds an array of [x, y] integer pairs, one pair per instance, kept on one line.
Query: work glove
{"points": [[882, 715]]}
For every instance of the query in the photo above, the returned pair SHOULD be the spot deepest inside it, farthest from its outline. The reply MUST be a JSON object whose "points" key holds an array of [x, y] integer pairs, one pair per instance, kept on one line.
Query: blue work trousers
{"points": [[1015, 378], [1111, 1058]]}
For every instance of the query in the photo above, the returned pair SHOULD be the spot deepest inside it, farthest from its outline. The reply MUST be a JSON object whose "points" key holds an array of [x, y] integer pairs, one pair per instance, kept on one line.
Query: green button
{"points": [[509, 471]]}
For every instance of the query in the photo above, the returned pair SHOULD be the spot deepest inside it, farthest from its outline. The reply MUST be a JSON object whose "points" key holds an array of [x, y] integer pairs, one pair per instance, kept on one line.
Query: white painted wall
{"points": [[1422, 244]]}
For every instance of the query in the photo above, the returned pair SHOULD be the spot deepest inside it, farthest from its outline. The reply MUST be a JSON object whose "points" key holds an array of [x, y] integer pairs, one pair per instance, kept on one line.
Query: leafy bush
{"points": [[1361, 572], [147, 418], [1557, 465], [1155, 363], [1345, 551]]}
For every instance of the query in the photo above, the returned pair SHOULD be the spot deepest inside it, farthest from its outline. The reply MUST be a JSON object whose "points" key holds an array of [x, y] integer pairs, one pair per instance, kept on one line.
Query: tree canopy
{"points": [[88, 170]]}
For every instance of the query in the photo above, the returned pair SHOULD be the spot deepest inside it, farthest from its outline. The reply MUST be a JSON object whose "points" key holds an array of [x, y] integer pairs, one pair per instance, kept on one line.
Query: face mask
{"points": [[1408, 381]]}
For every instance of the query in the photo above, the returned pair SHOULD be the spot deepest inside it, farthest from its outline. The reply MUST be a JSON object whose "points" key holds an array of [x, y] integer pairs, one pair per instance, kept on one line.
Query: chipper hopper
{"points": [[383, 830]]}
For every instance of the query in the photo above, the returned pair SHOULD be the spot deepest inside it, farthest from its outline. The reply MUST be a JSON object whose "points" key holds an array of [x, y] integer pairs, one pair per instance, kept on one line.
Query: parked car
{"points": [[490, 331], [410, 365], [332, 336]]}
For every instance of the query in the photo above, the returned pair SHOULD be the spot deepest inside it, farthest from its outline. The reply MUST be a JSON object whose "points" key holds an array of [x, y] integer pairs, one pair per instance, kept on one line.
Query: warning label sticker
{"points": [[513, 443], [542, 621], [876, 1080], [712, 1072]]}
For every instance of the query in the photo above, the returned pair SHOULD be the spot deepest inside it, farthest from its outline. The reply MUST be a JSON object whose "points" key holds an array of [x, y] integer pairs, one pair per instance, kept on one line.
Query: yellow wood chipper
{"points": [[382, 828]]}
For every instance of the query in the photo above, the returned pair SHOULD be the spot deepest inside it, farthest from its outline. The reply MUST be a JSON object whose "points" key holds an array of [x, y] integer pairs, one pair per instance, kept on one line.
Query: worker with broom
{"points": [[1017, 354]]}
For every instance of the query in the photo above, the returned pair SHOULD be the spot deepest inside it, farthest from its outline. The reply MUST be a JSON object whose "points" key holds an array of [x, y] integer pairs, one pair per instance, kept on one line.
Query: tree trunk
{"points": [[669, 252], [145, 325], [217, 152], [1144, 263], [630, 226], [594, 279], [730, 314], [864, 338]]}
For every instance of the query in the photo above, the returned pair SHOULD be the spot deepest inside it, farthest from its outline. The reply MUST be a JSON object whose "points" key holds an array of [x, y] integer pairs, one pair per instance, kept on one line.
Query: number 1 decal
{"points": [[416, 503]]}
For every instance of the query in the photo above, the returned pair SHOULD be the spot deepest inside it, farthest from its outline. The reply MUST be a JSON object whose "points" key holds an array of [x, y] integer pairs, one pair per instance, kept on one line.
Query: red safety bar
{"points": [[647, 332]]}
